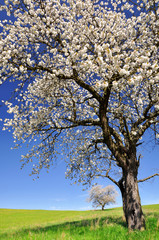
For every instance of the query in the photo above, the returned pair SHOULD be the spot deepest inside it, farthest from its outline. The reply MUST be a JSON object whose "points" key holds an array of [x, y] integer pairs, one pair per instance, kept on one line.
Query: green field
{"points": [[75, 225]]}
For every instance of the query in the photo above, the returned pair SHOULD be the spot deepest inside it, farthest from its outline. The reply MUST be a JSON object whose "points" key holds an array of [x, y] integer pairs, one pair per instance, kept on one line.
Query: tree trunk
{"points": [[102, 207], [131, 199]]}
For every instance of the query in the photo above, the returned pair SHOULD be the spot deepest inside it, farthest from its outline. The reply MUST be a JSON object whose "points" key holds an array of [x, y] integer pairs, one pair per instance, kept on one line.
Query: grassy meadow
{"points": [[75, 225]]}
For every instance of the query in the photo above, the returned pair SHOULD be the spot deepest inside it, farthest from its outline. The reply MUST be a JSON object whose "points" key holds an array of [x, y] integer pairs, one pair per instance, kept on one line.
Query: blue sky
{"points": [[52, 191]]}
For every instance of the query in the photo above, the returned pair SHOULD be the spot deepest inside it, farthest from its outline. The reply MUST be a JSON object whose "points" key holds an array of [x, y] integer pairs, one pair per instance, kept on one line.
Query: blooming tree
{"points": [[87, 80], [102, 196]]}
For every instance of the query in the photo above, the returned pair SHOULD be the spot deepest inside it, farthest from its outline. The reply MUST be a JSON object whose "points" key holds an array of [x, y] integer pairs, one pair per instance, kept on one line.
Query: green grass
{"points": [[75, 225]]}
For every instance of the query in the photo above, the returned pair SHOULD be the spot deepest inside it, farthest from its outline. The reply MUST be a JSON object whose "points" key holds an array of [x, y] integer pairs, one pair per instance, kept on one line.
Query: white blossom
{"points": [[21, 68], [123, 72]]}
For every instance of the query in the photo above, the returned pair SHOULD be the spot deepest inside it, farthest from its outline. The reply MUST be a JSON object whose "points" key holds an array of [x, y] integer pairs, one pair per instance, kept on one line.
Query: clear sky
{"points": [[52, 191]]}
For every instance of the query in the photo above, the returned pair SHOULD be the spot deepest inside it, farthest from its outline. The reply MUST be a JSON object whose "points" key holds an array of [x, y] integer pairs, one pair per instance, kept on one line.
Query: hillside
{"points": [[77, 225]]}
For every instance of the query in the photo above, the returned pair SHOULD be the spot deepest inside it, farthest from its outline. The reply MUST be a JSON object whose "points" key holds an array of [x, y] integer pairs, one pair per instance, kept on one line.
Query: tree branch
{"points": [[145, 179], [110, 178], [86, 86]]}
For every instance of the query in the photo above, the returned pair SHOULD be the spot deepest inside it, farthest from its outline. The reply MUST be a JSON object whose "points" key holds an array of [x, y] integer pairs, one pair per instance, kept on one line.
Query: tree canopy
{"points": [[101, 196]]}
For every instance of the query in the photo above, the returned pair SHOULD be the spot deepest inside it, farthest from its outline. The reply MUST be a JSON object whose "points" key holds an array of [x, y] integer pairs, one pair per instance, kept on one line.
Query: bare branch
{"points": [[110, 178], [145, 179], [86, 86]]}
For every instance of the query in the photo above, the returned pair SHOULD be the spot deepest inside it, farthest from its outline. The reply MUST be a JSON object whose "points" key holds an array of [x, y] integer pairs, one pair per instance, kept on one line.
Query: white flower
{"points": [[140, 101], [79, 4], [115, 83], [134, 133], [102, 35], [100, 60], [142, 59], [105, 84], [10, 110], [156, 77], [21, 68], [123, 72], [138, 78], [145, 65], [157, 107], [131, 81], [102, 84]]}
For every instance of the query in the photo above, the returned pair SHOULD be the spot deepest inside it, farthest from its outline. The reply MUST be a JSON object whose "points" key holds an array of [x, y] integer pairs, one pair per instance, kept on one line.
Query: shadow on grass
{"points": [[101, 222]]}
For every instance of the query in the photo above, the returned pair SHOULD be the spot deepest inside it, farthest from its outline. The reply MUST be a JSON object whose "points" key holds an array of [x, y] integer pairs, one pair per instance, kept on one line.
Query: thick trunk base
{"points": [[131, 202]]}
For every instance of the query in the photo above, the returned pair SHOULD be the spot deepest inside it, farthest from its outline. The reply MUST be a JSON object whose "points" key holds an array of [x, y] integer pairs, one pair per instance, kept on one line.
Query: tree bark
{"points": [[131, 199]]}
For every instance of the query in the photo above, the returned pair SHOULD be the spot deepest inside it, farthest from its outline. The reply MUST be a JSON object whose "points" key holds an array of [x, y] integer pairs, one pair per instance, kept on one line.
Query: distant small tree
{"points": [[102, 196]]}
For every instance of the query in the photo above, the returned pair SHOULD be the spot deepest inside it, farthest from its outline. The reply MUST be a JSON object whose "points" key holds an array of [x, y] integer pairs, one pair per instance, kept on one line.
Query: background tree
{"points": [[88, 82], [102, 196]]}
